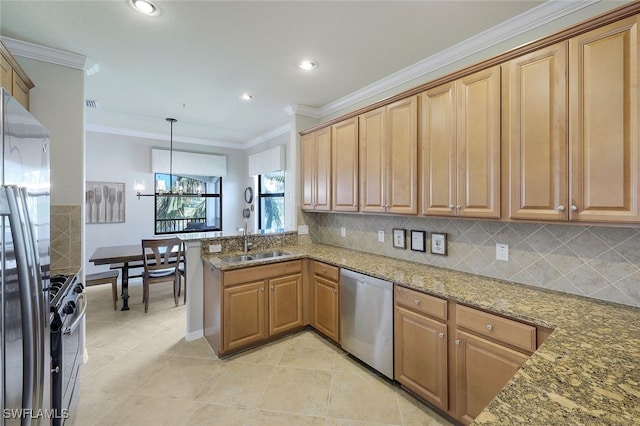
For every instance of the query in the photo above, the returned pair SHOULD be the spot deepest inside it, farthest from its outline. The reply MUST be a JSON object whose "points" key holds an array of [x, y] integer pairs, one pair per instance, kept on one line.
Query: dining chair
{"points": [[182, 268], [161, 259]]}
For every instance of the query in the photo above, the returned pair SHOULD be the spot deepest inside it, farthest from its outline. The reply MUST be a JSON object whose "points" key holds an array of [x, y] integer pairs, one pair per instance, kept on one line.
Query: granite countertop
{"points": [[586, 373]]}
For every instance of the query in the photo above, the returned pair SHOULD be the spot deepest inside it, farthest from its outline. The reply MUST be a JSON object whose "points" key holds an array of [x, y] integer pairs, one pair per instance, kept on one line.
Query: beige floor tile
{"points": [[363, 397], [297, 390], [141, 371], [415, 413], [237, 383], [271, 418], [181, 378], [310, 352]]}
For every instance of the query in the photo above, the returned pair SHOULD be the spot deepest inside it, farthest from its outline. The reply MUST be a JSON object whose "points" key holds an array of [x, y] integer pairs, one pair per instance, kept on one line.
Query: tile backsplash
{"points": [[66, 239], [594, 261]]}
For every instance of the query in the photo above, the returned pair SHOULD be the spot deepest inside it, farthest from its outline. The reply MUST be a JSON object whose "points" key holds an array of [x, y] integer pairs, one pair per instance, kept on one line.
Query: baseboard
{"points": [[194, 335]]}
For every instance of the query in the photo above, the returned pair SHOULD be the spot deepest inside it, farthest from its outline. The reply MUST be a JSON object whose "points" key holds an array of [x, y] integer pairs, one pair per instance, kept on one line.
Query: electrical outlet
{"points": [[343, 232], [215, 248], [381, 236], [502, 252], [303, 229]]}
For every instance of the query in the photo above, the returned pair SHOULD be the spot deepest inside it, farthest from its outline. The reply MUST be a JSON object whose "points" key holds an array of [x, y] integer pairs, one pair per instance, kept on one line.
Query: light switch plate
{"points": [[215, 248], [343, 232], [303, 229], [381, 236], [502, 252]]}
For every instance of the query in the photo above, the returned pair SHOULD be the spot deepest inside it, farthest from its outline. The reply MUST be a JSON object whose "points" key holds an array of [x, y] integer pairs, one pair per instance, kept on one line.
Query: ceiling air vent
{"points": [[91, 103]]}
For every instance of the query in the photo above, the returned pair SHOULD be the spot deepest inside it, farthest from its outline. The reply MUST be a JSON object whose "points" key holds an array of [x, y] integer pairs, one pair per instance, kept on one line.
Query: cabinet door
{"points": [[285, 303], [325, 310], [534, 110], [6, 74], [438, 151], [20, 91], [307, 148], [344, 165], [603, 127], [478, 144], [371, 145], [244, 315], [402, 156], [323, 170], [483, 368], [421, 356]]}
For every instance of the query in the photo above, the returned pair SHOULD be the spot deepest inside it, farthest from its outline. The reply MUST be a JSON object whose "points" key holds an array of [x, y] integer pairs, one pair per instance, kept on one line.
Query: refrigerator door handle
{"points": [[18, 231]]}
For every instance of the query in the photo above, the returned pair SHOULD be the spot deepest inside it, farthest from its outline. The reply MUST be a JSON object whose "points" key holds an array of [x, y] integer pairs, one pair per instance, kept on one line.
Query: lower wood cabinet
{"points": [[461, 371], [421, 355], [325, 296], [482, 369], [244, 307]]}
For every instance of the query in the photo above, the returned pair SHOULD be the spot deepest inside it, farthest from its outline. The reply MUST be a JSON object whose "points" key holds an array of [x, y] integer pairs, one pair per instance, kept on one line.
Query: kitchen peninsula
{"points": [[586, 371]]}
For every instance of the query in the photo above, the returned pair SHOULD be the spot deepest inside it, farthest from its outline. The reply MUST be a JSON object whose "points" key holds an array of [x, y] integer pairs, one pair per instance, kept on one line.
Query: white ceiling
{"points": [[194, 60]]}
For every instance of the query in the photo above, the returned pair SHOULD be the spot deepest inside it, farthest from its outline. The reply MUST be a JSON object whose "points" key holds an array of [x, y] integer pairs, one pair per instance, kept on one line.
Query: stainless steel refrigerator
{"points": [[24, 262]]}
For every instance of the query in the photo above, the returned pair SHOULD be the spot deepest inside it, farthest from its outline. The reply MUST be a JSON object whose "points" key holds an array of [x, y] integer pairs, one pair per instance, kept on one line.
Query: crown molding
{"points": [[48, 54], [532, 19], [159, 136], [303, 110], [285, 128]]}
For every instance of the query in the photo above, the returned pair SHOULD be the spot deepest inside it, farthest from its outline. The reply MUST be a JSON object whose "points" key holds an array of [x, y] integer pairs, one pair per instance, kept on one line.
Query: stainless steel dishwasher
{"points": [[366, 319]]}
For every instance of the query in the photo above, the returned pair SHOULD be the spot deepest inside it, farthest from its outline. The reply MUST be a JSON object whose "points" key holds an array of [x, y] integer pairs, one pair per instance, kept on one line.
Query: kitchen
{"points": [[577, 252]]}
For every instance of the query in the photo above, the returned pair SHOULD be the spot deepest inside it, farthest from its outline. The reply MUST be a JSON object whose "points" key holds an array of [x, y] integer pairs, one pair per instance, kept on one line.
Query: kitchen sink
{"points": [[254, 256]]}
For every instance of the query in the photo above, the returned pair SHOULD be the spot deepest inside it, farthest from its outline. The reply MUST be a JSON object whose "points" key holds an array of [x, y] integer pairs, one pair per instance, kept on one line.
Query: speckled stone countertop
{"points": [[586, 373]]}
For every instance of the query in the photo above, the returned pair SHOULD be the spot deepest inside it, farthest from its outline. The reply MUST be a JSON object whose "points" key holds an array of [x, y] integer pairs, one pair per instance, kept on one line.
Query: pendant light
{"points": [[159, 191]]}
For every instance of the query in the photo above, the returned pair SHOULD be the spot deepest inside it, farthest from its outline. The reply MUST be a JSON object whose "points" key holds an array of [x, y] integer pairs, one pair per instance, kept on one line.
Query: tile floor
{"points": [[142, 371]]}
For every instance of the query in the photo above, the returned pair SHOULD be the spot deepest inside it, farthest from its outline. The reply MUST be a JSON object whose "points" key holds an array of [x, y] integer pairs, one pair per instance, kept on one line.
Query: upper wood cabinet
{"points": [[344, 165], [316, 170], [460, 147], [13, 78], [388, 158], [534, 132], [604, 153]]}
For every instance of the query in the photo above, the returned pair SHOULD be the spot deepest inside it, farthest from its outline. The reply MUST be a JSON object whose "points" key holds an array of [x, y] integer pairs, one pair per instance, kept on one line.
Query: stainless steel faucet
{"points": [[245, 238]]}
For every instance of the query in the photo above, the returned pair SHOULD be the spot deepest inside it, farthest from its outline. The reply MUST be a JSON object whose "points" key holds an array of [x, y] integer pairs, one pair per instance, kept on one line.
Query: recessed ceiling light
{"points": [[145, 7], [246, 97], [307, 65]]}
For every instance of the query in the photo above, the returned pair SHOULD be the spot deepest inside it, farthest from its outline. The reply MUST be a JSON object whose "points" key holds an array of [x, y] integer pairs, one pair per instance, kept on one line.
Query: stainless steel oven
{"points": [[68, 308]]}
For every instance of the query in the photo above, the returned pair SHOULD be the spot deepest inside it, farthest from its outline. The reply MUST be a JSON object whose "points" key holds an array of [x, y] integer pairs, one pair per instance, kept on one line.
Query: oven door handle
{"points": [[69, 330]]}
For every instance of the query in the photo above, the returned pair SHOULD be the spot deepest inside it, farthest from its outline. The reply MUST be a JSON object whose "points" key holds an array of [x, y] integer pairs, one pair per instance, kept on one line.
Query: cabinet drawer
{"points": [[262, 272], [420, 302], [324, 270], [508, 331]]}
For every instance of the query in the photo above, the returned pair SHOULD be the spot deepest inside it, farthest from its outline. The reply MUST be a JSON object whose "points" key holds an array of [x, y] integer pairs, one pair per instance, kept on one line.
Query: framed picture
{"points": [[399, 238], [418, 240], [439, 243], [105, 202]]}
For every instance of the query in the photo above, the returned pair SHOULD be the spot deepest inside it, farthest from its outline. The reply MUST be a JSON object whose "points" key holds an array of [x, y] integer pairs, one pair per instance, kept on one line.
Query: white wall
{"points": [[114, 158]]}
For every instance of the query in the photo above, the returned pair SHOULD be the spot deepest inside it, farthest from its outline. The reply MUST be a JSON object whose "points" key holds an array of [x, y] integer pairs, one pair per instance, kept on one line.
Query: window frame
{"points": [[267, 195]]}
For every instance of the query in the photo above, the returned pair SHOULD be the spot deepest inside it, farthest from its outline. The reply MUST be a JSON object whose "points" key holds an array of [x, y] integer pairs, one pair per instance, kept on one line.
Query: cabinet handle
{"points": [[441, 334], [335, 291], [574, 208], [450, 206], [417, 302], [262, 289], [489, 327], [458, 207], [457, 342], [271, 287], [560, 208]]}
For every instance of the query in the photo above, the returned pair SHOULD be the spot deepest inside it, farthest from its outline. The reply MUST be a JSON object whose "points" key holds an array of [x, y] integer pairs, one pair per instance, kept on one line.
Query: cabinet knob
{"points": [[335, 291], [271, 287], [457, 342], [324, 270], [458, 207], [574, 208], [417, 302], [262, 289], [489, 327], [450, 206], [441, 334], [560, 208]]}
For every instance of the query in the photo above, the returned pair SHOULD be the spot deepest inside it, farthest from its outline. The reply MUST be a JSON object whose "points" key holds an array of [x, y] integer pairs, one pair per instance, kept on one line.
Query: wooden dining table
{"points": [[124, 257]]}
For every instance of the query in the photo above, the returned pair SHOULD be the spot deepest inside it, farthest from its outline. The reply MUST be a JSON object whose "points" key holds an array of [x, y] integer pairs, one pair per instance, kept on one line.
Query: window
{"points": [[271, 202], [188, 213]]}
